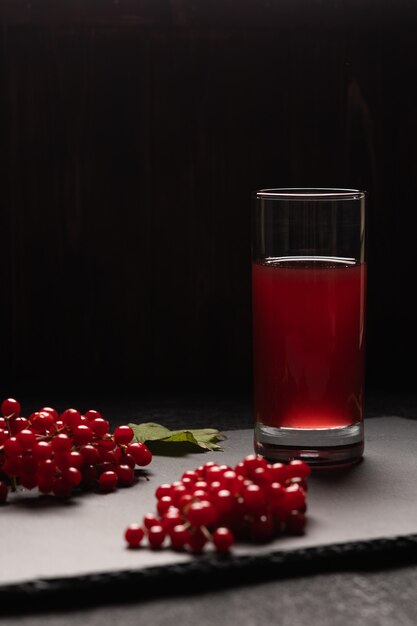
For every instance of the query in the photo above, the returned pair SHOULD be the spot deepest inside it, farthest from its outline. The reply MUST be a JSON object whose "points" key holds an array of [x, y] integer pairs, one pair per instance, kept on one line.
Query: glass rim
{"points": [[310, 193]]}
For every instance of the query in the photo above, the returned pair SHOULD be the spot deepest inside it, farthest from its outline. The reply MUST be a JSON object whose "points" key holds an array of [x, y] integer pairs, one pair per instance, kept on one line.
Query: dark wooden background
{"points": [[131, 136]]}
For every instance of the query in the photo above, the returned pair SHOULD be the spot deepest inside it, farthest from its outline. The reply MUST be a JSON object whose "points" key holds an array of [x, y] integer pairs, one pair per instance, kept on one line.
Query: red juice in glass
{"points": [[308, 327]]}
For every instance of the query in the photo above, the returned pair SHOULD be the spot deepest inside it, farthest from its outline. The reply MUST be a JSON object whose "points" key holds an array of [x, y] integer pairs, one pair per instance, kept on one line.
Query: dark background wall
{"points": [[131, 136]]}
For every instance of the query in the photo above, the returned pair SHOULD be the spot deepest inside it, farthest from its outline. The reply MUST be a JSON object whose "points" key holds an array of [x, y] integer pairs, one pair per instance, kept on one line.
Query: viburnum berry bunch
{"points": [[58, 453], [254, 501]]}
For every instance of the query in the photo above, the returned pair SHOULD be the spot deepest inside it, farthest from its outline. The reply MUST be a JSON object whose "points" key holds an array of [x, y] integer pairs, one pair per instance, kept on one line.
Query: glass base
{"points": [[319, 447]]}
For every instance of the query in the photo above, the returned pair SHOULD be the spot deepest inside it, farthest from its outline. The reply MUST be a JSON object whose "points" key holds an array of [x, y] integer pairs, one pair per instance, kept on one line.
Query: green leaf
{"points": [[199, 432], [186, 435], [161, 440], [149, 431]]}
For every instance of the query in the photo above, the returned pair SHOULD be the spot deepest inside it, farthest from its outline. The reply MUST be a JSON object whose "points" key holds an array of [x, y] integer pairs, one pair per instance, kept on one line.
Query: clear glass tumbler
{"points": [[309, 291]]}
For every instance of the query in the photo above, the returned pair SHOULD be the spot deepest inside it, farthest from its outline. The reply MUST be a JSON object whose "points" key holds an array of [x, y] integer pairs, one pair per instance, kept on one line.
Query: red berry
{"points": [[51, 411], [17, 424], [12, 466], [73, 476], [262, 528], [12, 447], [146, 459], [191, 474], [99, 426], [156, 536], [150, 520], [92, 414], [224, 501], [171, 518], [71, 418], [294, 497], [208, 466], [225, 468], [302, 482], [278, 473], [134, 535], [200, 494], [185, 501], [296, 523], [214, 473], [29, 464], [262, 477], [45, 484], [42, 450], [46, 469], [240, 469], [90, 454], [76, 459], [107, 456], [276, 492], [252, 462], [27, 480], [62, 460], [214, 487], [10, 406], [223, 539], [230, 481], [42, 421], [89, 473], [201, 513], [26, 438], [61, 443], [179, 536], [108, 481], [298, 469], [187, 482], [82, 434], [200, 472], [163, 490], [125, 474], [123, 435], [178, 492], [163, 504], [140, 453], [253, 498], [196, 540], [107, 443], [200, 484], [124, 459]]}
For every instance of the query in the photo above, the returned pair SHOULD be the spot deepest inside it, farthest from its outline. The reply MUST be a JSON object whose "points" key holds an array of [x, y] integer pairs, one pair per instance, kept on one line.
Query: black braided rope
{"points": [[203, 574]]}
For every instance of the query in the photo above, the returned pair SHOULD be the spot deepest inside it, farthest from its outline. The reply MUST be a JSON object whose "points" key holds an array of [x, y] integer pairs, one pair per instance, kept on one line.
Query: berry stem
{"points": [[52, 435], [206, 533]]}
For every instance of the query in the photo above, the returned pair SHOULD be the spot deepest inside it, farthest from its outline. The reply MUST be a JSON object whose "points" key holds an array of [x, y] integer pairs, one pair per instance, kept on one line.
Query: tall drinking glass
{"points": [[309, 288]]}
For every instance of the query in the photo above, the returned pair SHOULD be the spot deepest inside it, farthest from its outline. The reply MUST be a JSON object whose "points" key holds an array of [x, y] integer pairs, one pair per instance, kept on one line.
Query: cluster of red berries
{"points": [[255, 502], [58, 453]]}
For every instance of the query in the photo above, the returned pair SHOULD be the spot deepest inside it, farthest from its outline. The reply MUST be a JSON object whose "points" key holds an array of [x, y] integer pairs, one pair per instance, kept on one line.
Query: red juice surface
{"points": [[308, 323]]}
